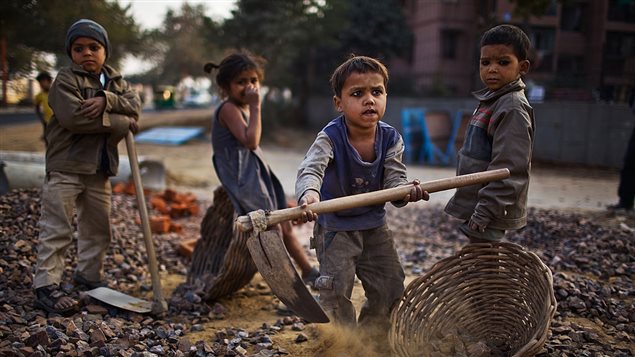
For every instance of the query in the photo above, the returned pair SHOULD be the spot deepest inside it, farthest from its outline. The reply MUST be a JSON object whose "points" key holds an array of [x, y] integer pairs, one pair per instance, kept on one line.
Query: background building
{"points": [[584, 50]]}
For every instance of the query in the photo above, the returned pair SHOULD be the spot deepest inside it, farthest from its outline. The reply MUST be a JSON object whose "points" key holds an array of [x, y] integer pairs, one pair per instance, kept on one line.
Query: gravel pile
{"points": [[593, 265], [99, 330]]}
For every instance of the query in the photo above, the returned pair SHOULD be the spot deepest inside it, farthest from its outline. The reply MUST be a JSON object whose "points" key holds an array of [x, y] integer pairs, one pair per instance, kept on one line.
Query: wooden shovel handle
{"points": [[374, 197], [159, 305]]}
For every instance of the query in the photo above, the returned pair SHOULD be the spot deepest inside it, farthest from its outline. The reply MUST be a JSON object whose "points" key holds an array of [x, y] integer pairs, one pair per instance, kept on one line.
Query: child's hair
{"points": [[44, 75], [233, 65], [508, 35], [356, 64]]}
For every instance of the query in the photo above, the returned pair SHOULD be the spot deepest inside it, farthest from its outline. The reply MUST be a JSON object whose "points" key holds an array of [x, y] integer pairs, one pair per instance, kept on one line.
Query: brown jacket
{"points": [[499, 135], [82, 145]]}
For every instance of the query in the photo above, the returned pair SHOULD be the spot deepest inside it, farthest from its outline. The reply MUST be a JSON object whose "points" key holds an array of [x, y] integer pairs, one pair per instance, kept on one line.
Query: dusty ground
{"points": [[189, 166], [189, 169]]}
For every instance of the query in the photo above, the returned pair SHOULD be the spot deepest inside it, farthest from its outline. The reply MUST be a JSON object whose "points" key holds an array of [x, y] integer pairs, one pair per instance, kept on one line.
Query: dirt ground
{"points": [[189, 166], [189, 169]]}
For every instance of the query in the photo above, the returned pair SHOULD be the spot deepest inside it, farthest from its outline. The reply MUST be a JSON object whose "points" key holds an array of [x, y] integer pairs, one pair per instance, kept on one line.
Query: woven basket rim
{"points": [[459, 263]]}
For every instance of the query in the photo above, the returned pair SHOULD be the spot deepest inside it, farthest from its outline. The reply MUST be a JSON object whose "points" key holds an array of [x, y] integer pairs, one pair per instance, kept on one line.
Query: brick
{"points": [[159, 204], [160, 224], [193, 209], [188, 198], [130, 189], [178, 210], [175, 227], [119, 188], [186, 247], [169, 195]]}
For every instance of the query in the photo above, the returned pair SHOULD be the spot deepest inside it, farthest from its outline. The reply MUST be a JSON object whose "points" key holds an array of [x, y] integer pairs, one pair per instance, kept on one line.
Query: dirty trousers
{"points": [[90, 195], [369, 254]]}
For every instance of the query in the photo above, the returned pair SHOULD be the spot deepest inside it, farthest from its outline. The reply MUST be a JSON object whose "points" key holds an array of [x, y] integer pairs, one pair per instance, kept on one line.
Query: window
{"points": [[618, 47], [622, 10], [620, 44], [573, 15], [486, 10], [552, 9], [449, 43], [543, 41], [570, 66]]}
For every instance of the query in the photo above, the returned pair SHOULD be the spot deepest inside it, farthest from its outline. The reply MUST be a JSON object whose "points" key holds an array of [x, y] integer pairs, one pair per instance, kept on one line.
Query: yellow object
{"points": [[42, 100]]}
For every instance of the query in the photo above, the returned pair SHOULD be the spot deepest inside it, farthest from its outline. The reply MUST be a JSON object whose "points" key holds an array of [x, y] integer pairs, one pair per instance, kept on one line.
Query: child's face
{"points": [[89, 54], [45, 84], [239, 85], [499, 66], [363, 99]]}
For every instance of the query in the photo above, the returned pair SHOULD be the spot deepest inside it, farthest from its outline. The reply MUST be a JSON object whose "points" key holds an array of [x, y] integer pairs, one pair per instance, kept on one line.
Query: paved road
{"points": [[549, 187], [15, 117]]}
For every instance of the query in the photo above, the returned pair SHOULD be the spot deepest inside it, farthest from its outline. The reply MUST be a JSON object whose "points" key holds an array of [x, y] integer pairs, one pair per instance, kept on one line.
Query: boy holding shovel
{"points": [[94, 108], [356, 153]]}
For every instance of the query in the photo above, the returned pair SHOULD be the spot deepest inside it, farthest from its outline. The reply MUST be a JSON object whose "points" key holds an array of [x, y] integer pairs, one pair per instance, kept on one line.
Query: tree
{"points": [[31, 27], [524, 9], [186, 41], [304, 40]]}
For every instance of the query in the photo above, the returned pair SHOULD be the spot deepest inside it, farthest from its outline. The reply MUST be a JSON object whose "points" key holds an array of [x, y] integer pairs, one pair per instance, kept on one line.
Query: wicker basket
{"points": [[221, 263], [489, 299]]}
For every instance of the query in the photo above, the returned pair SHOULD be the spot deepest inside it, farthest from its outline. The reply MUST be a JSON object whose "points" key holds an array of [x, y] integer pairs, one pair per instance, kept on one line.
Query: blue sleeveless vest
{"points": [[348, 175]]}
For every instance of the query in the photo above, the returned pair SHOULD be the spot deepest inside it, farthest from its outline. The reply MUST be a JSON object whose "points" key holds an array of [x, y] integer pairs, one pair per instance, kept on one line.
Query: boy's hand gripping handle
{"points": [[244, 223]]}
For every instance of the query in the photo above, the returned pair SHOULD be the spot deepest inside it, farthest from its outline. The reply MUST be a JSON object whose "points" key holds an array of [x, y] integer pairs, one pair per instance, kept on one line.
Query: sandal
{"points": [[80, 280], [52, 299]]}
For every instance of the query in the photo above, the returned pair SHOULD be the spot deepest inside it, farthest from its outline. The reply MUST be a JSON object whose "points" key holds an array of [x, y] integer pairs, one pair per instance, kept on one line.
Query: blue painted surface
{"points": [[415, 133], [169, 135]]}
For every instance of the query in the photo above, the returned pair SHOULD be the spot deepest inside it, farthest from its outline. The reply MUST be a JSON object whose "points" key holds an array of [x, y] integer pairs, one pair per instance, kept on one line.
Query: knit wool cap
{"points": [[87, 28]]}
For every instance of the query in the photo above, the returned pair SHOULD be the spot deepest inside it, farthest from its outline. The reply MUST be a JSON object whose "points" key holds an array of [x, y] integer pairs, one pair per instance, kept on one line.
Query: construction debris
{"points": [[169, 203]]}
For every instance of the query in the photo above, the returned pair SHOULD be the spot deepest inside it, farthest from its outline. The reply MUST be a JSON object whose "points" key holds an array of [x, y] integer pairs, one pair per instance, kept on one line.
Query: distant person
{"points": [[41, 101], [626, 188], [238, 159], [499, 135], [356, 153], [94, 108]]}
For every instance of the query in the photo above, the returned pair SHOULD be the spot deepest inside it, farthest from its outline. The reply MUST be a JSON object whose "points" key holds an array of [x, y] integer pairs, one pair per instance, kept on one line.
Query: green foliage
{"points": [[282, 32], [526, 8], [303, 41], [375, 28], [35, 26], [187, 40]]}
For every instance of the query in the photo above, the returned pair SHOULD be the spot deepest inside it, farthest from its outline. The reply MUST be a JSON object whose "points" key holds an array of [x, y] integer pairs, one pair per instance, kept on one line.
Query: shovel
{"points": [[118, 299], [273, 261]]}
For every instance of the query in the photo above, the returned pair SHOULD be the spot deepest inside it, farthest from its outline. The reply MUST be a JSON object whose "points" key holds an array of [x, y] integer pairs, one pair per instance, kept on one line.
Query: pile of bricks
{"points": [[169, 203]]}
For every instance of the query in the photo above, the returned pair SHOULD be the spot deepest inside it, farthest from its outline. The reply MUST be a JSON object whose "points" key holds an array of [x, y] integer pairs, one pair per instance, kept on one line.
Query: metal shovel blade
{"points": [[120, 300], [274, 264]]}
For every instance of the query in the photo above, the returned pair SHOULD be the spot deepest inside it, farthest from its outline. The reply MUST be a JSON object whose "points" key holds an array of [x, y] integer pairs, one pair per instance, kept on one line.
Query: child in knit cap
{"points": [[94, 108]]}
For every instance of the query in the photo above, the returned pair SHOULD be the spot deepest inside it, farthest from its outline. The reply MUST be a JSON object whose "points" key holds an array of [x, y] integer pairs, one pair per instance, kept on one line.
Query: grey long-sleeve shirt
{"points": [[320, 154]]}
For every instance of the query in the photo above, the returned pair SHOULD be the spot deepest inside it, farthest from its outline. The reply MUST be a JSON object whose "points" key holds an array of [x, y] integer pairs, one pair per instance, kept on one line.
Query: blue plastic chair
{"points": [[456, 126], [413, 125], [436, 155]]}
